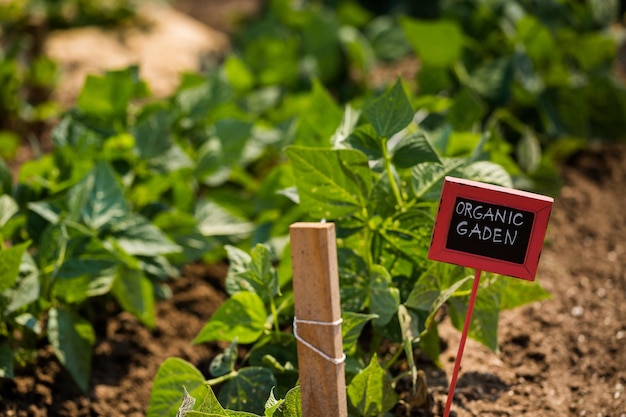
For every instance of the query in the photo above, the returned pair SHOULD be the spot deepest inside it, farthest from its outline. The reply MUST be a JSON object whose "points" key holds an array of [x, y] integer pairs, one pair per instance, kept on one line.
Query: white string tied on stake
{"points": [[336, 361]]}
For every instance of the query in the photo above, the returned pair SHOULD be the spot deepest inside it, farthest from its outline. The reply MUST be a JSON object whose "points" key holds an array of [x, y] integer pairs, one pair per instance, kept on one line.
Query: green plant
{"points": [[119, 221], [378, 178], [175, 372], [539, 74]]}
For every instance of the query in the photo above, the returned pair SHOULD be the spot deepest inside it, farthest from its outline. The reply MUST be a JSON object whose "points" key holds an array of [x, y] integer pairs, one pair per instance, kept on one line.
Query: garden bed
{"points": [[558, 357]]}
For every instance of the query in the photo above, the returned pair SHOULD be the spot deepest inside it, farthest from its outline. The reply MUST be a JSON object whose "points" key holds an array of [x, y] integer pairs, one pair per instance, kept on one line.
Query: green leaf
{"points": [[224, 362], [272, 405], [384, 297], [6, 362], [138, 236], [196, 101], [414, 149], [528, 152], [595, 50], [98, 199], [241, 317], [466, 111], [427, 178], [248, 390], [485, 171], [387, 37], [331, 183], [6, 178], [109, 95], [238, 74], [72, 339], [276, 351], [366, 140], [293, 403], [371, 391], [536, 37], [46, 210], [463, 144], [407, 235], [252, 273], [438, 42], [170, 160], [391, 112], [8, 207], [153, 133], [353, 282], [430, 295], [484, 323], [410, 333], [493, 80], [9, 144], [25, 290], [518, 292], [224, 149], [351, 327], [318, 115], [78, 279], [182, 227], [29, 322], [172, 376], [215, 220], [347, 126], [135, 293], [10, 261], [210, 405], [233, 135]]}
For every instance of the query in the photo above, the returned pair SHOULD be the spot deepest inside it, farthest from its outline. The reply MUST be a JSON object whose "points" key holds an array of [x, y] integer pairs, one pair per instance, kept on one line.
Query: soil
{"points": [[559, 357]]}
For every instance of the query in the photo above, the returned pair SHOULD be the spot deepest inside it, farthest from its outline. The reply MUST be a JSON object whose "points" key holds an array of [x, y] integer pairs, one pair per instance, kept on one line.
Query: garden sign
{"points": [[488, 228]]}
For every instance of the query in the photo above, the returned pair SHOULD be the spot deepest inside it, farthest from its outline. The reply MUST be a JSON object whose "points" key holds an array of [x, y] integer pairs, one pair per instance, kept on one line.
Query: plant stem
{"points": [[220, 379], [392, 179], [394, 358], [400, 376], [274, 315]]}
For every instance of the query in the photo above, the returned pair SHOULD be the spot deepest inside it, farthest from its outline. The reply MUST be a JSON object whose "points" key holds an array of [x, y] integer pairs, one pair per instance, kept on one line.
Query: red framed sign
{"points": [[490, 228]]}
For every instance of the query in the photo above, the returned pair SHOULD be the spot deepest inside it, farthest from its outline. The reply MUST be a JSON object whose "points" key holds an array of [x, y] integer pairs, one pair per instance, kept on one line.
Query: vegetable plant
{"points": [[378, 177]]}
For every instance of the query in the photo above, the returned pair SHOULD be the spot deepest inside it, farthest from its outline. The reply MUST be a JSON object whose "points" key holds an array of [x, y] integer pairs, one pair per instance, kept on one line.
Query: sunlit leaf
{"points": [[371, 391], [437, 42], [173, 377], [240, 317], [331, 183]]}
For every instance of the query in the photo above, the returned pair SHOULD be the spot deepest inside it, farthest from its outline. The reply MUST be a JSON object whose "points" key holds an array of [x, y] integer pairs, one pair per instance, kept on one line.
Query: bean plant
{"points": [[378, 177]]}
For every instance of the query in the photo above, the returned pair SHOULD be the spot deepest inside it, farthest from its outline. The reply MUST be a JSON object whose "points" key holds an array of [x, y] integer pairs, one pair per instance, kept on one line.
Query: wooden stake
{"points": [[318, 315]]}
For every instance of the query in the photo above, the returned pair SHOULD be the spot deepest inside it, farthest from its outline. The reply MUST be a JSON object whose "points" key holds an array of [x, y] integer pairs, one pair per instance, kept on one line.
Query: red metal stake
{"points": [[459, 354]]}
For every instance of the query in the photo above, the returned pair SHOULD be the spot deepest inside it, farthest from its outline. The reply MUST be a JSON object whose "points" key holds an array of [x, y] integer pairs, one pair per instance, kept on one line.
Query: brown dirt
{"points": [[163, 41], [564, 356], [126, 357], [560, 357]]}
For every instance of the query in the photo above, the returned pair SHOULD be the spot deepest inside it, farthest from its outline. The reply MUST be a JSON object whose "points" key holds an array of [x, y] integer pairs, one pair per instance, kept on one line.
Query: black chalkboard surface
{"points": [[490, 230]]}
